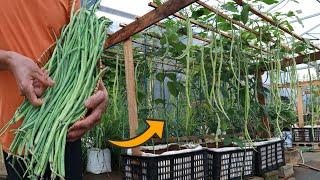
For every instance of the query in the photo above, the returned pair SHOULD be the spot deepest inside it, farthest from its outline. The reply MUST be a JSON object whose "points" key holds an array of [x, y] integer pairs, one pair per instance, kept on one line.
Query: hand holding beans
{"points": [[31, 80], [96, 104]]}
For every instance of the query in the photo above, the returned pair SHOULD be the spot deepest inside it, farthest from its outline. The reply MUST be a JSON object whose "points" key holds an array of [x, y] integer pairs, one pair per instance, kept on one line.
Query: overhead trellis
{"points": [[171, 8]]}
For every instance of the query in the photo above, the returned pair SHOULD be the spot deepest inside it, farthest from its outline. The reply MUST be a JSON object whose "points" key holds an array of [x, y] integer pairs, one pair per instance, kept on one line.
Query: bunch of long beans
{"points": [[74, 67]]}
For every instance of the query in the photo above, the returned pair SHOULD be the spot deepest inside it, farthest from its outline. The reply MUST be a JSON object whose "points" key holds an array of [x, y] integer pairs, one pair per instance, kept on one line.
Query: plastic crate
{"points": [[316, 137], [302, 135], [269, 156], [230, 163], [183, 166]]}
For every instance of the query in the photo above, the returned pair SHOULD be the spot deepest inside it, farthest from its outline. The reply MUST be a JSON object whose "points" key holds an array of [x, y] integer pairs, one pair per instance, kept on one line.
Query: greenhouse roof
{"points": [[308, 11], [305, 20]]}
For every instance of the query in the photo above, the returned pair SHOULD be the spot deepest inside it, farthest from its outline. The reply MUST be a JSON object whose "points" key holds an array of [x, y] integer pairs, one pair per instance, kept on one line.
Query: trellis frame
{"points": [[171, 7]]}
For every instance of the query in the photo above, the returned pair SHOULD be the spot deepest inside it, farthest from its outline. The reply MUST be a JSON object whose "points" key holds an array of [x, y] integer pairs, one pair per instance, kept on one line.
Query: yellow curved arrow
{"points": [[155, 127]]}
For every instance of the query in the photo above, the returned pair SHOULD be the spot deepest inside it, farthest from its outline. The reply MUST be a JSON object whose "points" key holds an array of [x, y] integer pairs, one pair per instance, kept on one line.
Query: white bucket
{"points": [[99, 161]]}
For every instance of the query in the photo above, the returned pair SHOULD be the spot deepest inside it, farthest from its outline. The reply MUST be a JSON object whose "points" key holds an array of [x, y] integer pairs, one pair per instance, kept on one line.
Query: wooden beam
{"points": [[274, 23], [286, 62], [147, 20], [310, 92], [300, 107], [314, 56], [131, 92], [301, 84]]}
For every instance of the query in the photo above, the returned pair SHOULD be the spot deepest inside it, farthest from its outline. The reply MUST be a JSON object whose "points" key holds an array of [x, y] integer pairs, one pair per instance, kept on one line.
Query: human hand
{"points": [[96, 104], [31, 79]]}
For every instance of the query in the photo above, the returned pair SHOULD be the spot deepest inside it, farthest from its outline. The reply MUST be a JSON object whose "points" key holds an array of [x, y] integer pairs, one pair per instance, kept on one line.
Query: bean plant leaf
{"points": [[160, 77], [227, 141], [225, 26], [173, 89], [220, 19], [158, 2], [230, 6], [290, 14], [236, 17], [239, 142], [245, 13], [200, 12], [159, 101], [172, 76], [269, 2]]}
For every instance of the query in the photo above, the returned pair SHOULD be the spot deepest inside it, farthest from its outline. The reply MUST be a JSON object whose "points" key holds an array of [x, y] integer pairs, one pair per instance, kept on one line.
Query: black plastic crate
{"points": [[183, 166], [316, 135], [232, 164], [302, 135], [269, 156]]}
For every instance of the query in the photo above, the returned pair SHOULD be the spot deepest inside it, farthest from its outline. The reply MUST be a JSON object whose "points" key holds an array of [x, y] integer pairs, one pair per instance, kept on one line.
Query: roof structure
{"points": [[305, 21]]}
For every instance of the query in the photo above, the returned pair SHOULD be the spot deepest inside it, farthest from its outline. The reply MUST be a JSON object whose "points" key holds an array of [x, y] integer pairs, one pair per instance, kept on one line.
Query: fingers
{"points": [[38, 88], [79, 128], [75, 135], [30, 94], [95, 100], [97, 103], [87, 123], [43, 77]]}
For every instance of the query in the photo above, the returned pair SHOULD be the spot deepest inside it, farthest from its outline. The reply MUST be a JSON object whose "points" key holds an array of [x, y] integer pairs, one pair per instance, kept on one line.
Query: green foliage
{"points": [[245, 13], [212, 88]]}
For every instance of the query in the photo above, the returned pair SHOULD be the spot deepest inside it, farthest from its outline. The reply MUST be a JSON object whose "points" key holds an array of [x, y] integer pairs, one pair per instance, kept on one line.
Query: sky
{"points": [[136, 7]]}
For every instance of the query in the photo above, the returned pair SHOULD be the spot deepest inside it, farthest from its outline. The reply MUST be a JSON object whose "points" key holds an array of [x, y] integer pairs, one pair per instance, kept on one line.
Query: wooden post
{"points": [[131, 92], [300, 106], [262, 101]]}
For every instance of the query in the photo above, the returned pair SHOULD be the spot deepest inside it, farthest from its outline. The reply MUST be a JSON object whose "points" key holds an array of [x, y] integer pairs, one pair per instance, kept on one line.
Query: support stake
{"points": [[131, 92]]}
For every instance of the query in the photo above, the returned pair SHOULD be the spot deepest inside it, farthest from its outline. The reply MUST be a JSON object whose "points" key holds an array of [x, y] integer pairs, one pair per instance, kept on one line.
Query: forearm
{"points": [[5, 63]]}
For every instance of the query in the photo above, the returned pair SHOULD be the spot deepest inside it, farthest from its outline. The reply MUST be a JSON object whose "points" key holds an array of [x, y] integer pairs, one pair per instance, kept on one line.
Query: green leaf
{"points": [[159, 101], [172, 76], [158, 2], [239, 142], [160, 77], [245, 13], [220, 19], [225, 26], [288, 25], [227, 141], [269, 2], [300, 48], [200, 12], [236, 17], [230, 6], [290, 14], [173, 89]]}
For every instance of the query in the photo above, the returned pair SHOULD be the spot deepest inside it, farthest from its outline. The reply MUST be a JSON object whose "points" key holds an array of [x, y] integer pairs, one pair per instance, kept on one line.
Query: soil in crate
{"points": [[169, 147]]}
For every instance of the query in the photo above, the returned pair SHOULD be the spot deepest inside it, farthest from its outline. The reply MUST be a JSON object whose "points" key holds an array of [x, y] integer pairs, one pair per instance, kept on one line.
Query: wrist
{"points": [[7, 61]]}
